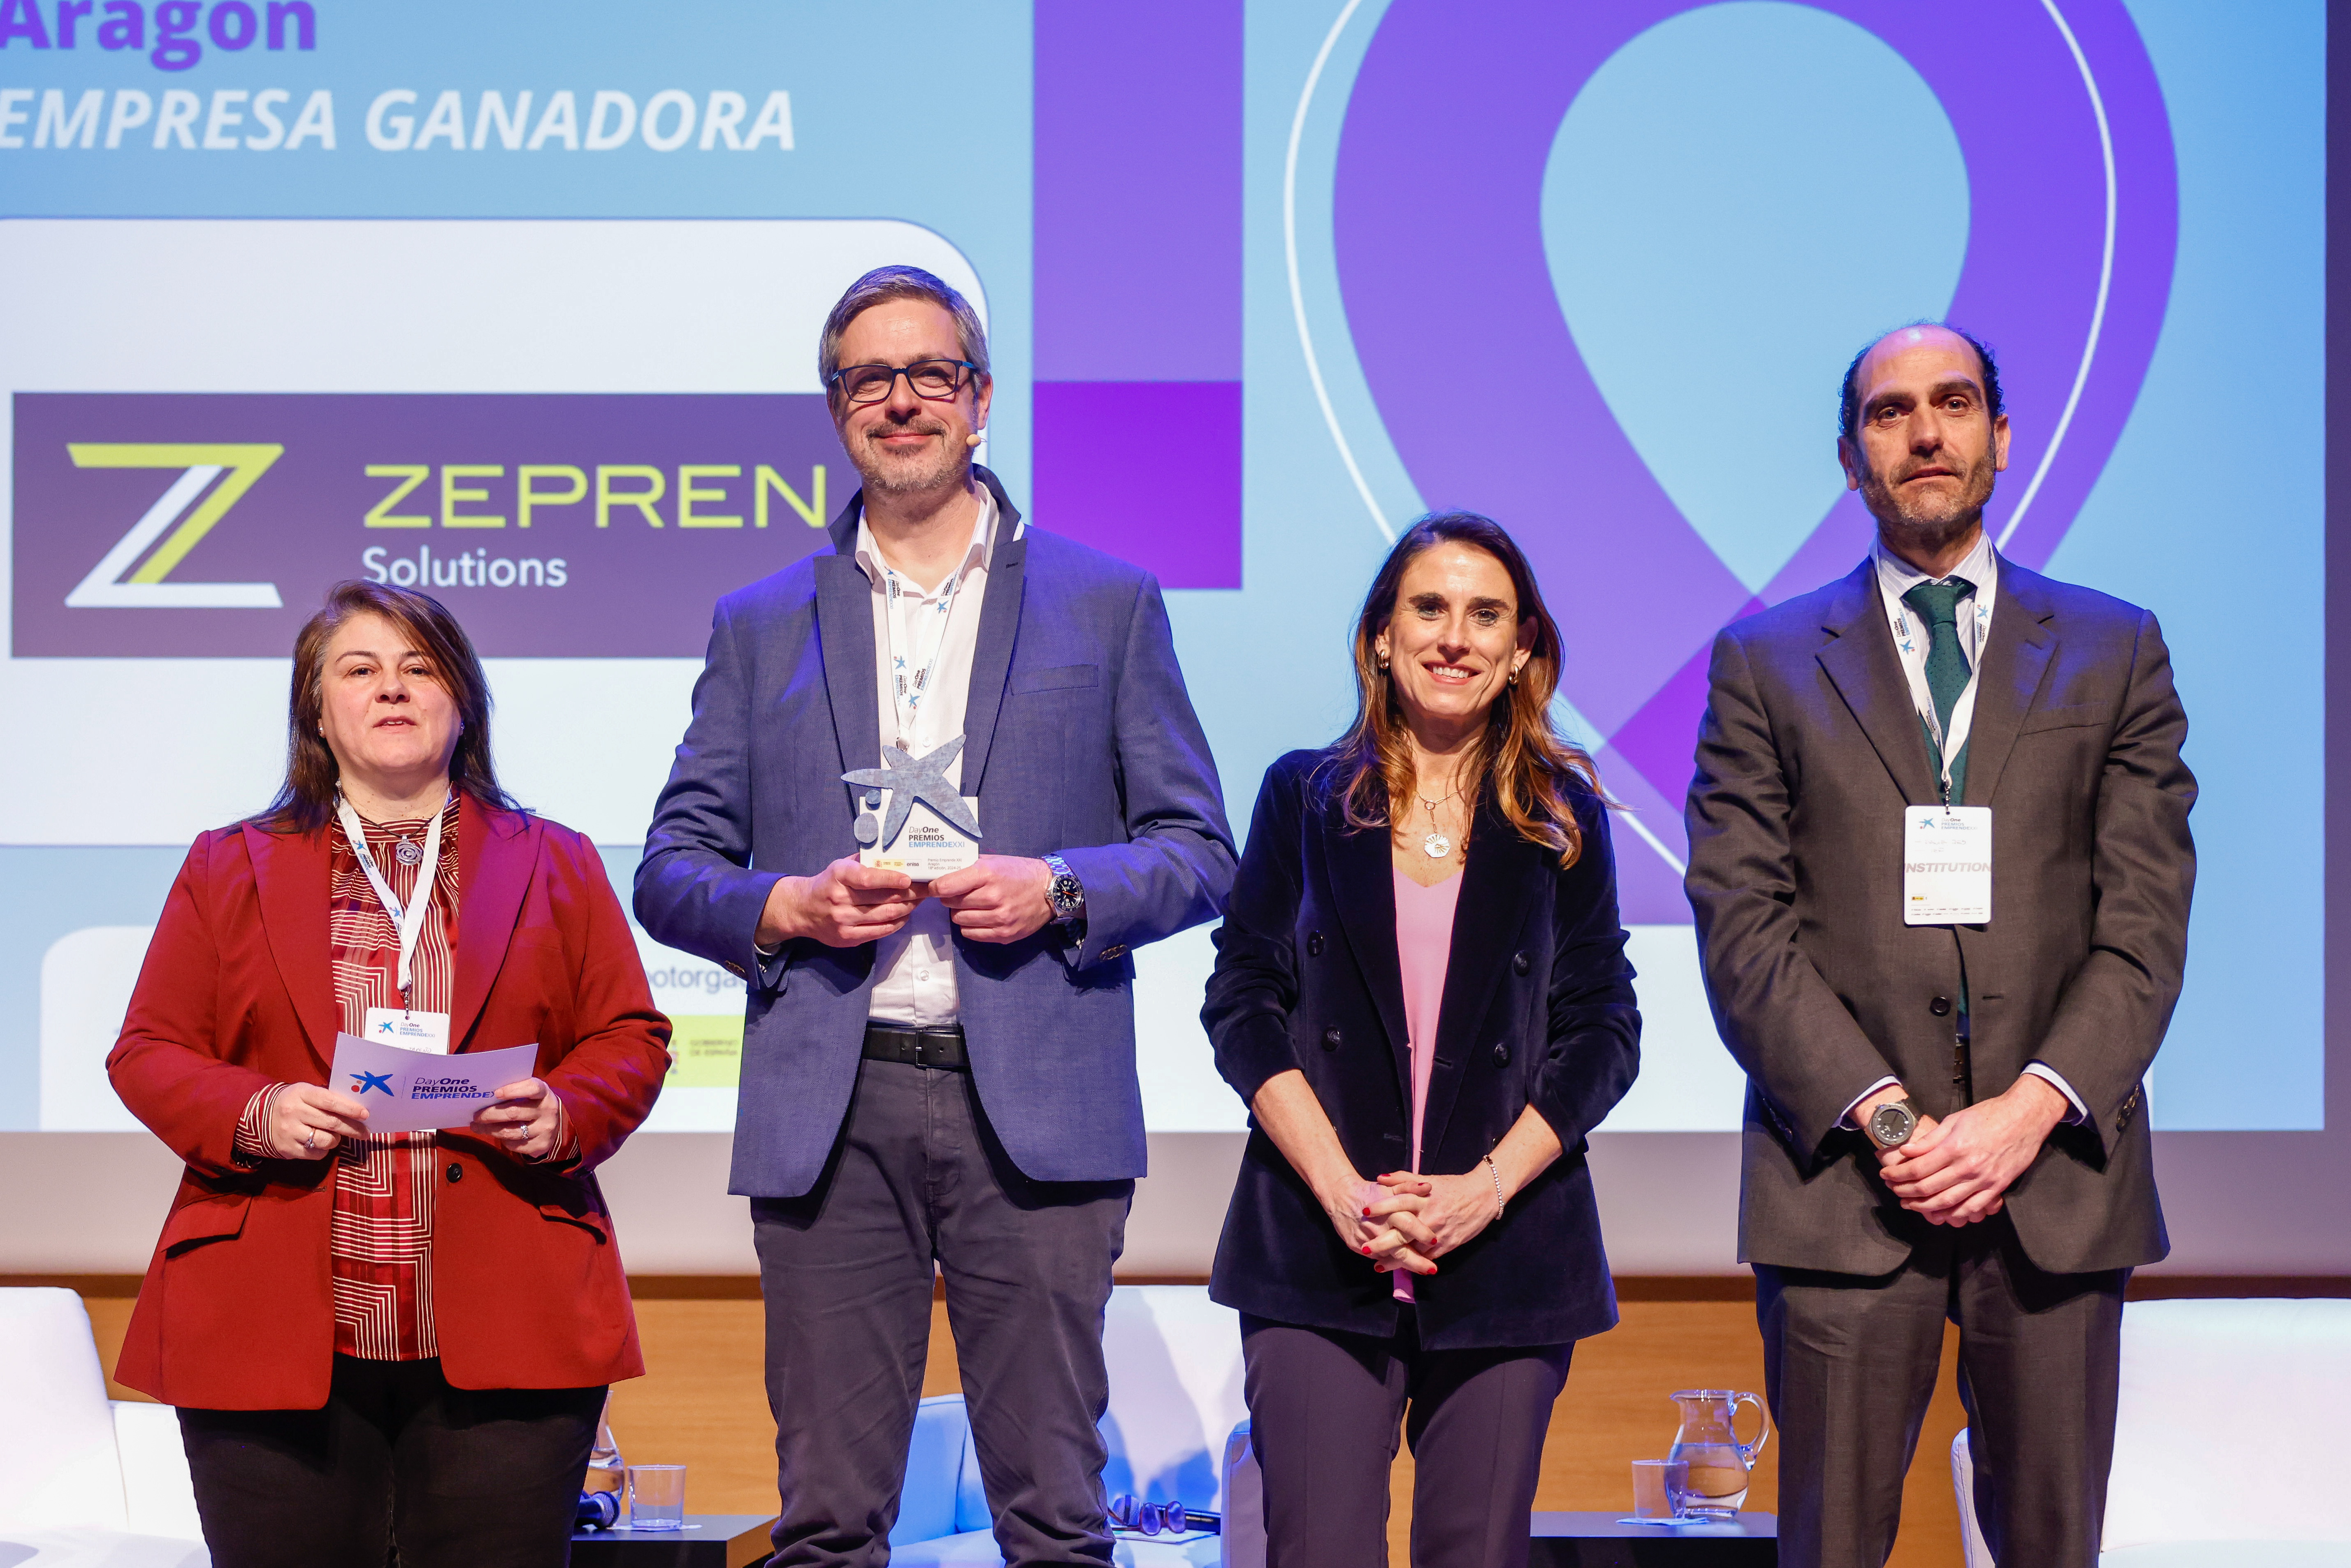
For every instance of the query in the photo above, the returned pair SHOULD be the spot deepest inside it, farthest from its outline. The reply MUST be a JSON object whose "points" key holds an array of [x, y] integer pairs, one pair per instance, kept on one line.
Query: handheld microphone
{"points": [[1129, 1512]]}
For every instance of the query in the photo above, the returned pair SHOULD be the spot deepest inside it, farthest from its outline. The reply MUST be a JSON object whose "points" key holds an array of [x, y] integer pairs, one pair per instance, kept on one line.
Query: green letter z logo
{"points": [[107, 587]]}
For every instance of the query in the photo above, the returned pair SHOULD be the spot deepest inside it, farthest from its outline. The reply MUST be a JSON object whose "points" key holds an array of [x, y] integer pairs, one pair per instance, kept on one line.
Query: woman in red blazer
{"points": [[400, 1341]]}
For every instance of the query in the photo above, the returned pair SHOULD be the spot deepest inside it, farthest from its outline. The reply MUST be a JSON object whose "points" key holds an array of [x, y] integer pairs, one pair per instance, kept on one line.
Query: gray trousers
{"points": [[1850, 1362], [918, 1178], [1323, 1411]]}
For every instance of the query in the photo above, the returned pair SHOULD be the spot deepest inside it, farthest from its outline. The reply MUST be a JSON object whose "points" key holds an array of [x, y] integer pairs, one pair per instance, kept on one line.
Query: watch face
{"points": [[1890, 1125]]}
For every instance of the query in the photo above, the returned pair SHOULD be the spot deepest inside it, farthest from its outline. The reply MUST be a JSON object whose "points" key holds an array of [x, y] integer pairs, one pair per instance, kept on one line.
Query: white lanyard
{"points": [[1912, 637], [408, 921], [908, 685]]}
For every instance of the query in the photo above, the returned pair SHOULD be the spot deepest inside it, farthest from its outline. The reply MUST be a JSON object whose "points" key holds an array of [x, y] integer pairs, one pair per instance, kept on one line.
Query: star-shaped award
{"points": [[911, 778]]}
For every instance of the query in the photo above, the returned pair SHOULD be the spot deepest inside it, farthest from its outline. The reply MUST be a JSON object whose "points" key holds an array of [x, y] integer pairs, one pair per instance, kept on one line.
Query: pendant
{"points": [[1436, 846], [408, 852]]}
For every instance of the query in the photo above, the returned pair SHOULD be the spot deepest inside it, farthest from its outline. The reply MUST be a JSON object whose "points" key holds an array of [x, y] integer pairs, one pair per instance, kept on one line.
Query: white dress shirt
{"points": [[917, 965], [1896, 577]]}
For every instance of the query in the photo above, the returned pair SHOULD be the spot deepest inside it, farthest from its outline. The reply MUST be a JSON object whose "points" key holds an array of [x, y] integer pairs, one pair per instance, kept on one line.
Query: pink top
{"points": [[1423, 946]]}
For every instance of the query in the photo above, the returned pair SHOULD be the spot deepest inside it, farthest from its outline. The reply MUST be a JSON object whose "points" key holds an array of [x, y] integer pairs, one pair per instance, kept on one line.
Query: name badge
{"points": [[408, 1030], [1947, 865]]}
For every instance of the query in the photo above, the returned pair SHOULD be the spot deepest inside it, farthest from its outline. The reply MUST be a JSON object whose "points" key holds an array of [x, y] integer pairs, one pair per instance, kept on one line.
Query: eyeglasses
{"points": [[936, 380]]}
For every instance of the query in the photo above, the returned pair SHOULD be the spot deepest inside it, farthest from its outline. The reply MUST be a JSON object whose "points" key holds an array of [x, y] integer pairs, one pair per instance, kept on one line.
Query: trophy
{"points": [[910, 819]]}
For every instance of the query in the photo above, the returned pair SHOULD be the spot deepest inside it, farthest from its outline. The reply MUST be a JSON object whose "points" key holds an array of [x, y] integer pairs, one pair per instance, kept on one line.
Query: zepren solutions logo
{"points": [[236, 466], [555, 525]]}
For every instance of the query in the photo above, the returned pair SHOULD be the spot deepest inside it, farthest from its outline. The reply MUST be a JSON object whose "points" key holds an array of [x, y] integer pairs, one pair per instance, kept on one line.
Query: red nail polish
{"points": [[1367, 1214], [1367, 1251]]}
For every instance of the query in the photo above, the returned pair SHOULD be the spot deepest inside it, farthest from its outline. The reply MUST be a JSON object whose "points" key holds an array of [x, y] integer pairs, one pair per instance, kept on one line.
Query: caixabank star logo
{"points": [[569, 525]]}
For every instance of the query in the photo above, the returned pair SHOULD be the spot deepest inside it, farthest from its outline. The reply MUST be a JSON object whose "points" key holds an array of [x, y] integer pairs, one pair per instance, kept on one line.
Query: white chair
{"points": [[1175, 1402], [85, 1482], [2224, 1441]]}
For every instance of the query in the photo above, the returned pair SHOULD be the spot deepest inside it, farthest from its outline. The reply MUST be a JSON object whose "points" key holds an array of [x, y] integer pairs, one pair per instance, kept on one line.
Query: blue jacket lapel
{"points": [[1362, 891], [844, 620], [999, 629], [844, 628]]}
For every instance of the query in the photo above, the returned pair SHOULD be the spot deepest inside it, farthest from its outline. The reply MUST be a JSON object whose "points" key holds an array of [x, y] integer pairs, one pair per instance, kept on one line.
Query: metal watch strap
{"points": [[1064, 908]]}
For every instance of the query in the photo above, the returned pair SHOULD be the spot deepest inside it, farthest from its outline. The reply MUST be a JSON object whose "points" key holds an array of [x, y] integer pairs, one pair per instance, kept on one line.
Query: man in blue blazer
{"points": [[938, 1074]]}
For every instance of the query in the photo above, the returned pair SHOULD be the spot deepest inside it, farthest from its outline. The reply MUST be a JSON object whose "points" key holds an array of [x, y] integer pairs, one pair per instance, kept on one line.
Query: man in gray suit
{"points": [[1940, 866], [936, 1073]]}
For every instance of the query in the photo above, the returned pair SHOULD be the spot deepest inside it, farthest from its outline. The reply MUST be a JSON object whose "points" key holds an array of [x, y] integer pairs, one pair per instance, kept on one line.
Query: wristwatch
{"points": [[1890, 1125], [1065, 893]]}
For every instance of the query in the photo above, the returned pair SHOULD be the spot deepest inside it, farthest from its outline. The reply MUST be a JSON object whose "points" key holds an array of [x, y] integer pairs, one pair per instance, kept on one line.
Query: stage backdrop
{"points": [[520, 303]]}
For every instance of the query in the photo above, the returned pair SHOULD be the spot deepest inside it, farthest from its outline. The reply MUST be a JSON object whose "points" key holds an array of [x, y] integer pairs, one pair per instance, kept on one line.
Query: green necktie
{"points": [[1938, 604]]}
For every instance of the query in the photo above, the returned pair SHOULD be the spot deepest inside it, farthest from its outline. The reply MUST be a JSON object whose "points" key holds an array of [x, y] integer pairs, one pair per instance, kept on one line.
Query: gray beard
{"points": [[883, 477], [1933, 531], [1933, 534]]}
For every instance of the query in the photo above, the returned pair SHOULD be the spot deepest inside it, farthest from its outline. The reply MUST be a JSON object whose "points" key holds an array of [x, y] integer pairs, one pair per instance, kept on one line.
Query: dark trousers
{"points": [[1850, 1362], [1323, 1410], [396, 1462], [917, 1179]]}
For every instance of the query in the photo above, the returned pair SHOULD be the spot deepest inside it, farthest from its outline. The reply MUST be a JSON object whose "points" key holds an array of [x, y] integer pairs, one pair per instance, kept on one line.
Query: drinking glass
{"points": [[1659, 1489], [656, 1497]]}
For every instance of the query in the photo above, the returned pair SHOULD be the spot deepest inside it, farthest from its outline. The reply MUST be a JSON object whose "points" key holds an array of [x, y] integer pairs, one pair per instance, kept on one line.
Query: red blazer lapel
{"points": [[290, 874], [497, 853]]}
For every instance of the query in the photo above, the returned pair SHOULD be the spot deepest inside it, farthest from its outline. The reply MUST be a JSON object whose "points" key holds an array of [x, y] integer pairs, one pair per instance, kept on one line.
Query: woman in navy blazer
{"points": [[1413, 1233]]}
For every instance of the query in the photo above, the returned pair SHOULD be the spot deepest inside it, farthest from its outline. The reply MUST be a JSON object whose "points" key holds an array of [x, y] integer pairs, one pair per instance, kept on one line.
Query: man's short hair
{"points": [[1849, 396], [884, 284]]}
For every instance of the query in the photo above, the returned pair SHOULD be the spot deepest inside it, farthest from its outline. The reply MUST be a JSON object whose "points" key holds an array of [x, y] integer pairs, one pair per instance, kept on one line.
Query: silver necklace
{"points": [[1435, 846]]}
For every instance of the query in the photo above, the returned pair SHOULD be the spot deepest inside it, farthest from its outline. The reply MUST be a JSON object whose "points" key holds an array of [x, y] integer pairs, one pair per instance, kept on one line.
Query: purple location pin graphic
{"points": [[1436, 220]]}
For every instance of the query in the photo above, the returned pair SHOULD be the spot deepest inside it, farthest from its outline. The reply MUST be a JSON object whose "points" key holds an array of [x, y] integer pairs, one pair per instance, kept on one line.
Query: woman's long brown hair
{"points": [[307, 799], [1529, 764]]}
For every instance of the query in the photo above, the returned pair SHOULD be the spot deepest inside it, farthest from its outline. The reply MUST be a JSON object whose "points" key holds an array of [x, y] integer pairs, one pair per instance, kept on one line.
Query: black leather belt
{"points": [[917, 1046]]}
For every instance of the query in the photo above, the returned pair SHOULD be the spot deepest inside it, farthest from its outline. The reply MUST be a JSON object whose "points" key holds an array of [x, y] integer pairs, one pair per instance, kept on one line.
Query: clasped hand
{"points": [[1405, 1220], [1958, 1170], [997, 898]]}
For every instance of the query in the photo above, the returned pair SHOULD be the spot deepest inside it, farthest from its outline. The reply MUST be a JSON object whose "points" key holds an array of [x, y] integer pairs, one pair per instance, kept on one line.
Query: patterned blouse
{"points": [[380, 1249]]}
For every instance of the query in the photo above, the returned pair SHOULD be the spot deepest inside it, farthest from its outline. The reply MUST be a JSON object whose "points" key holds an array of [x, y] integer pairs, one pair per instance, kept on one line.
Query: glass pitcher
{"points": [[1719, 1461], [605, 1465]]}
